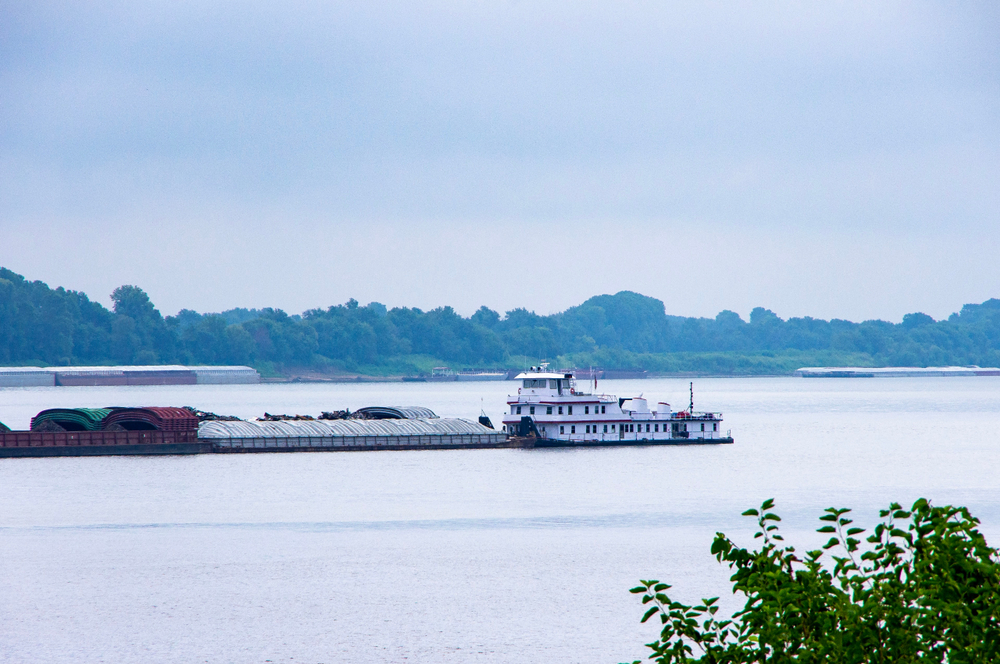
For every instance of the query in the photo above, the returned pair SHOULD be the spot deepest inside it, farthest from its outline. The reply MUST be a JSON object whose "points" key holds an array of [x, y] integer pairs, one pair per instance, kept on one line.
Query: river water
{"points": [[447, 556]]}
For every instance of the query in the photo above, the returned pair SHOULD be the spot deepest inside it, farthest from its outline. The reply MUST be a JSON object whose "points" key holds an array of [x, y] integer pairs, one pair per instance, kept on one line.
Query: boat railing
{"points": [[684, 415]]}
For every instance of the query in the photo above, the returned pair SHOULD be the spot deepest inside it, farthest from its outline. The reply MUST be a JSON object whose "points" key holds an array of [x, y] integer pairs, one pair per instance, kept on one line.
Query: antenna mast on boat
{"points": [[691, 404]]}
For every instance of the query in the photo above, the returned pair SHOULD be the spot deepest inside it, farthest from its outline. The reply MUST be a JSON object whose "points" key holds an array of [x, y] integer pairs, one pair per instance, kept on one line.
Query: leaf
{"points": [[751, 513], [826, 529], [649, 613]]}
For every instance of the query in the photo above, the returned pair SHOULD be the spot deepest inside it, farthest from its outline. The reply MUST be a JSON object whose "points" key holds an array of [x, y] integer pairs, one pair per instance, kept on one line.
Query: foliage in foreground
{"points": [[923, 587]]}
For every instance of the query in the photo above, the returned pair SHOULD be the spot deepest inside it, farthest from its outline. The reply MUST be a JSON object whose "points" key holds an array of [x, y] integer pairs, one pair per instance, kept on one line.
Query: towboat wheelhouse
{"points": [[551, 407]]}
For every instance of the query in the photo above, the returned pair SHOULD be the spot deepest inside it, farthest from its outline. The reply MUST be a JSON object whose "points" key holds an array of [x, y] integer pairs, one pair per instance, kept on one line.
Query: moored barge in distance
{"points": [[552, 410]]}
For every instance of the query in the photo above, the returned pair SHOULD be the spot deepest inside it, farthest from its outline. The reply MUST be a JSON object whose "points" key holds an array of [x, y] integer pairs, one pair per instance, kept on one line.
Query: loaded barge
{"points": [[151, 431]]}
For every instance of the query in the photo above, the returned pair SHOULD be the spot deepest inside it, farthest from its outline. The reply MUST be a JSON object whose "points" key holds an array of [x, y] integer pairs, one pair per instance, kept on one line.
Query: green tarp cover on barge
{"points": [[72, 419]]}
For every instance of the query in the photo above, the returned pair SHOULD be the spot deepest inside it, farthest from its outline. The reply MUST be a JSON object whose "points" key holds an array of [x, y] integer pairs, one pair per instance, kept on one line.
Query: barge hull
{"points": [[153, 449], [550, 442], [100, 443], [505, 444]]}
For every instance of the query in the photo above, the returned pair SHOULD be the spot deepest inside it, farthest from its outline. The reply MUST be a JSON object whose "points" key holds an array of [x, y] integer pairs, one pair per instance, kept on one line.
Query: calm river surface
{"points": [[446, 556]]}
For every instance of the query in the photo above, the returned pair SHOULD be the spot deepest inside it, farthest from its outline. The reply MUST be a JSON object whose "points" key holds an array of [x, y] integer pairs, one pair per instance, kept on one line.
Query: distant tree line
{"points": [[40, 325]]}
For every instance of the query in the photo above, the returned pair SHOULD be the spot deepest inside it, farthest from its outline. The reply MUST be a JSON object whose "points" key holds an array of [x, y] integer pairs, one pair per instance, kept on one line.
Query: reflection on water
{"points": [[479, 555]]}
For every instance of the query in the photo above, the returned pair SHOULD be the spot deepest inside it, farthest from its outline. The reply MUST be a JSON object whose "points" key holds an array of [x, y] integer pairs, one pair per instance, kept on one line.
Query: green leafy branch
{"points": [[923, 587]]}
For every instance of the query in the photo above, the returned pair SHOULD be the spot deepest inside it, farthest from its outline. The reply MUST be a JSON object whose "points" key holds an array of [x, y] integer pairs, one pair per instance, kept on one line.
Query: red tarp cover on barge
{"points": [[151, 418]]}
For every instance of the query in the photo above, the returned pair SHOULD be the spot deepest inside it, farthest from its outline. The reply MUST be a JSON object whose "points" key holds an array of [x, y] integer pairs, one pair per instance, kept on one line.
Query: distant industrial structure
{"points": [[894, 372], [126, 375]]}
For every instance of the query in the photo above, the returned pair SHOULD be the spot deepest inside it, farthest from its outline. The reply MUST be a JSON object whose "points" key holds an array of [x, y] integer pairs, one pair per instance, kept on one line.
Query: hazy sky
{"points": [[832, 159]]}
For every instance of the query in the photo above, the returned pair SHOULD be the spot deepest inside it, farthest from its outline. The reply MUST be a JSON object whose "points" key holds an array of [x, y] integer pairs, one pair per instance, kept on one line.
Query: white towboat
{"points": [[552, 409]]}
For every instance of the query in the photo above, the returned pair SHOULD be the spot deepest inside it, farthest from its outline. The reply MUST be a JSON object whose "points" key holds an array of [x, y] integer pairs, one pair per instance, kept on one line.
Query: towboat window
{"points": [[602, 409], [562, 429], [586, 410], [565, 384], [572, 429], [647, 428], [560, 410], [534, 382], [656, 428], [518, 410], [570, 410], [553, 384], [702, 426], [715, 427], [612, 427], [531, 410], [606, 428], [548, 410]]}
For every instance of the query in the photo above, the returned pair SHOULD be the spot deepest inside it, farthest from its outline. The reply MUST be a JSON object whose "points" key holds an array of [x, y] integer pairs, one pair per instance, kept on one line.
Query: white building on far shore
{"points": [[894, 372]]}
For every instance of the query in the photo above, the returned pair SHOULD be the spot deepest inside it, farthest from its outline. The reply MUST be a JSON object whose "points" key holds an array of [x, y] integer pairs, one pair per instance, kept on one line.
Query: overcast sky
{"points": [[831, 159]]}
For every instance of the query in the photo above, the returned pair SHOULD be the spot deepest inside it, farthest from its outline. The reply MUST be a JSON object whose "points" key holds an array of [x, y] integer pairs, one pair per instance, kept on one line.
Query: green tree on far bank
{"points": [[139, 335]]}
